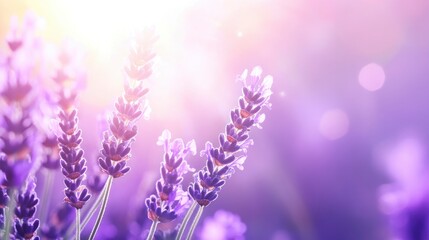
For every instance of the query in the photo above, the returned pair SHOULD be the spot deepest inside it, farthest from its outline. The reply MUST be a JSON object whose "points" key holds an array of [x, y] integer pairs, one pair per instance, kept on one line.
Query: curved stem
{"points": [[77, 224], [195, 222], [8, 216], [45, 198], [186, 220], [94, 208], [152, 230], [102, 209]]}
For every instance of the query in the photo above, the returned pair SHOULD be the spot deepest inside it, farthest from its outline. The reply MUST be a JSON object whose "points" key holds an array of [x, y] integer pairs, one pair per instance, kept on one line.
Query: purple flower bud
{"points": [[159, 211], [116, 152], [202, 196]]}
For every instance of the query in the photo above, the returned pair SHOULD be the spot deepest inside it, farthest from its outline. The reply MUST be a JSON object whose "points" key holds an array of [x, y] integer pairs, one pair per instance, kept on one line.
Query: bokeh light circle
{"points": [[334, 124], [372, 77]]}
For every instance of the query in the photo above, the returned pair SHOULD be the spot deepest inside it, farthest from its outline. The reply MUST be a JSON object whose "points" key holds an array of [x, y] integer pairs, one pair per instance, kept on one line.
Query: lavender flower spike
{"points": [[25, 227], [171, 199], [232, 152], [233, 143], [72, 161], [129, 107], [73, 165]]}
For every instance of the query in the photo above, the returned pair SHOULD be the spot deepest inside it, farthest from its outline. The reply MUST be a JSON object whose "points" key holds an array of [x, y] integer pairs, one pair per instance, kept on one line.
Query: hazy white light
{"points": [[239, 34], [101, 23], [334, 124], [405, 161], [371, 77]]}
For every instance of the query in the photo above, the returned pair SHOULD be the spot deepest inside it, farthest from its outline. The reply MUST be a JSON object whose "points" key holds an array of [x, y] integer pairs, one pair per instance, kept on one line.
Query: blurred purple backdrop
{"points": [[350, 84]]}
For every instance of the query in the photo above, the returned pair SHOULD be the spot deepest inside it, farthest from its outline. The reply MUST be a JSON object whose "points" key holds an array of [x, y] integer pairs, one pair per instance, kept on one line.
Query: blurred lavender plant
{"points": [[232, 152], [18, 97], [18, 135], [171, 200], [58, 222], [406, 199], [222, 226], [128, 109]]}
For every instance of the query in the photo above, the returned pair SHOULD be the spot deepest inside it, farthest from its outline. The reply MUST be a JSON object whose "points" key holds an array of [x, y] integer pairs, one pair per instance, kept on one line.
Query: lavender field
{"points": [[214, 120]]}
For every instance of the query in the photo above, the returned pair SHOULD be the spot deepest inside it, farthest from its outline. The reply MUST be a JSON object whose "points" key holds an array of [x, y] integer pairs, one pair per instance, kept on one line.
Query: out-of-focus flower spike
{"points": [[25, 226]]}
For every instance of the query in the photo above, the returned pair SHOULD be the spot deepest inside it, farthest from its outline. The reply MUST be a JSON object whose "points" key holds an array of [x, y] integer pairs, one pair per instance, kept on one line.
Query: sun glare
{"points": [[100, 23]]}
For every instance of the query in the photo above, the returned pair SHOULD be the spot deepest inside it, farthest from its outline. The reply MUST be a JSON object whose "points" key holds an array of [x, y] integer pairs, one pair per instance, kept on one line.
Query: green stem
{"points": [[9, 214], [186, 220], [102, 209], [195, 222], [88, 215], [152, 230], [77, 224], [46, 195]]}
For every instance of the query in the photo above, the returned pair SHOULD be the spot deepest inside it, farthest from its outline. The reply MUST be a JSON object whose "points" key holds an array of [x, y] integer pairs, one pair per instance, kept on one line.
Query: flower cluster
{"points": [[170, 199], [235, 141], [25, 140], [129, 107], [25, 227], [17, 134]]}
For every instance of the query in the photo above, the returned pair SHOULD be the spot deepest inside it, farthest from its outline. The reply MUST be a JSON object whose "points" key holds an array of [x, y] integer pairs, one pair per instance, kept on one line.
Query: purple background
{"points": [[296, 181]]}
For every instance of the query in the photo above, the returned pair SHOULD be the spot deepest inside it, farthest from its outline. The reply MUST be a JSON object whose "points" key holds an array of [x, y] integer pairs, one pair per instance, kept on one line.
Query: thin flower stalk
{"points": [[186, 220], [152, 230], [195, 222], [8, 217], [105, 198], [116, 145]]}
